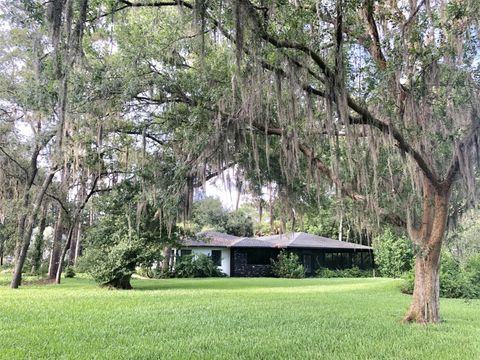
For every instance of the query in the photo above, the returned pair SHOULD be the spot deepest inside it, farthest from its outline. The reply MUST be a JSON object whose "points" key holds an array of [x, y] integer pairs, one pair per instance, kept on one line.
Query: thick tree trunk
{"points": [[121, 283], [425, 302], [425, 306], [21, 229]]}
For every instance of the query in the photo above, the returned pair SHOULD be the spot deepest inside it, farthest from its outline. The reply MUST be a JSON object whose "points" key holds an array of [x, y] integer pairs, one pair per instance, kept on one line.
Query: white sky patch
{"points": [[218, 187]]}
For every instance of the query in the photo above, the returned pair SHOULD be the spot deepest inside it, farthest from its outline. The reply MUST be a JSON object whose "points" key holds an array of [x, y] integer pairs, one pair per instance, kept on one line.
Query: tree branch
{"points": [[367, 119], [454, 167], [138, 132], [345, 190], [375, 45]]}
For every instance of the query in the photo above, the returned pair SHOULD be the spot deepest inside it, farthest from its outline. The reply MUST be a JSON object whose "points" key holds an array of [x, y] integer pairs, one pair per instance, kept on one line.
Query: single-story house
{"points": [[243, 256]]}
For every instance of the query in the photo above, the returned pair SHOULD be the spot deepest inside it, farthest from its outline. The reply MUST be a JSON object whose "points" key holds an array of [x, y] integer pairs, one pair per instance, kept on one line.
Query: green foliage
{"points": [[354, 272], [115, 247], [394, 255], [114, 265], [196, 266], [472, 268], [408, 282], [69, 272], [7, 268], [152, 272], [210, 214], [455, 281], [239, 224], [288, 265], [464, 242]]}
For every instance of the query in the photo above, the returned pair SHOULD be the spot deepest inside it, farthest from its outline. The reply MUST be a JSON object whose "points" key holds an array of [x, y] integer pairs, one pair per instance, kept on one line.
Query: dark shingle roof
{"points": [[212, 238], [284, 241], [304, 240], [253, 242]]}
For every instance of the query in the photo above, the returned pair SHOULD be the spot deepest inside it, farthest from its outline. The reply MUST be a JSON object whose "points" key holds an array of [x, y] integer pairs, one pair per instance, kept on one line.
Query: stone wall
{"points": [[242, 268]]}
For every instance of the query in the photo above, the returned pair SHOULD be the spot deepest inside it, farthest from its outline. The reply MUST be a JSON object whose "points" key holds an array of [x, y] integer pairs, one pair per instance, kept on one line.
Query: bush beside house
{"points": [[288, 265], [195, 266]]}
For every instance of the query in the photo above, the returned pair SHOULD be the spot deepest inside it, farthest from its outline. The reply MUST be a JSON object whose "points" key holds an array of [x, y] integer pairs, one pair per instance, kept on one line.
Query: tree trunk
{"points": [[425, 306], [39, 239], [21, 229], [260, 211], [2, 244], [270, 203], [121, 283], [340, 228], [79, 243], [17, 273], [239, 193], [56, 246], [1, 252], [58, 274], [167, 251], [73, 245]]}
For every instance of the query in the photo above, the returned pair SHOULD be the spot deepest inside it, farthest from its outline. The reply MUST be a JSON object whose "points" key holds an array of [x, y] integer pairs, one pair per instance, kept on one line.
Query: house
{"points": [[243, 256]]}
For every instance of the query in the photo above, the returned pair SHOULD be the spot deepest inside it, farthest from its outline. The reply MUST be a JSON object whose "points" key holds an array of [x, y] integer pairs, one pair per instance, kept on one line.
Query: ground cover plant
{"points": [[227, 318]]}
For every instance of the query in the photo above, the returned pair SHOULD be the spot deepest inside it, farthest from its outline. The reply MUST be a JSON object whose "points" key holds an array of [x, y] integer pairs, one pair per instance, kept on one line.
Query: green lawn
{"points": [[229, 319]]}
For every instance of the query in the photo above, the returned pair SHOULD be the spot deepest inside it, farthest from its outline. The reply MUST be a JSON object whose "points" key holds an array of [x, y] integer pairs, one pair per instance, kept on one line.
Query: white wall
{"points": [[225, 267]]}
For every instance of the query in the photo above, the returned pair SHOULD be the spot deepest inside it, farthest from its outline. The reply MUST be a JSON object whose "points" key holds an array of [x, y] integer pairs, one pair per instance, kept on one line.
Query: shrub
{"points": [[114, 248], [472, 268], [6, 266], [326, 273], [288, 266], [196, 265], [455, 281], [354, 272], [408, 282], [69, 272], [393, 255], [153, 272], [114, 265]]}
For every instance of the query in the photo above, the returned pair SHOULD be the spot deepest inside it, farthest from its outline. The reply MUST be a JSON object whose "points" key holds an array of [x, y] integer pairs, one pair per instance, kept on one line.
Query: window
{"points": [[307, 263], [217, 257], [328, 260], [185, 252], [259, 257]]}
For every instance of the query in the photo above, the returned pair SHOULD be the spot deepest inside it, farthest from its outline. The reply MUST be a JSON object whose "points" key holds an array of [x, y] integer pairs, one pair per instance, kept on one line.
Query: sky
{"points": [[216, 187]]}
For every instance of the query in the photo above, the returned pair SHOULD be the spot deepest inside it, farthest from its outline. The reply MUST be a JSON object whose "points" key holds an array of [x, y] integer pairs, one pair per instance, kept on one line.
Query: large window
{"points": [[217, 257], [185, 252], [259, 256]]}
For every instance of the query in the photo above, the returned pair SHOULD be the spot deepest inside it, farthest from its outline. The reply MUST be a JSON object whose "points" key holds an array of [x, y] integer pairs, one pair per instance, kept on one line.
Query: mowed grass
{"points": [[229, 318]]}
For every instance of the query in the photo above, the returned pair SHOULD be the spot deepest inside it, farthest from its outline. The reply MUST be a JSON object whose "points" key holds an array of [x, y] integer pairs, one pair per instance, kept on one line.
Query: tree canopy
{"points": [[372, 105]]}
